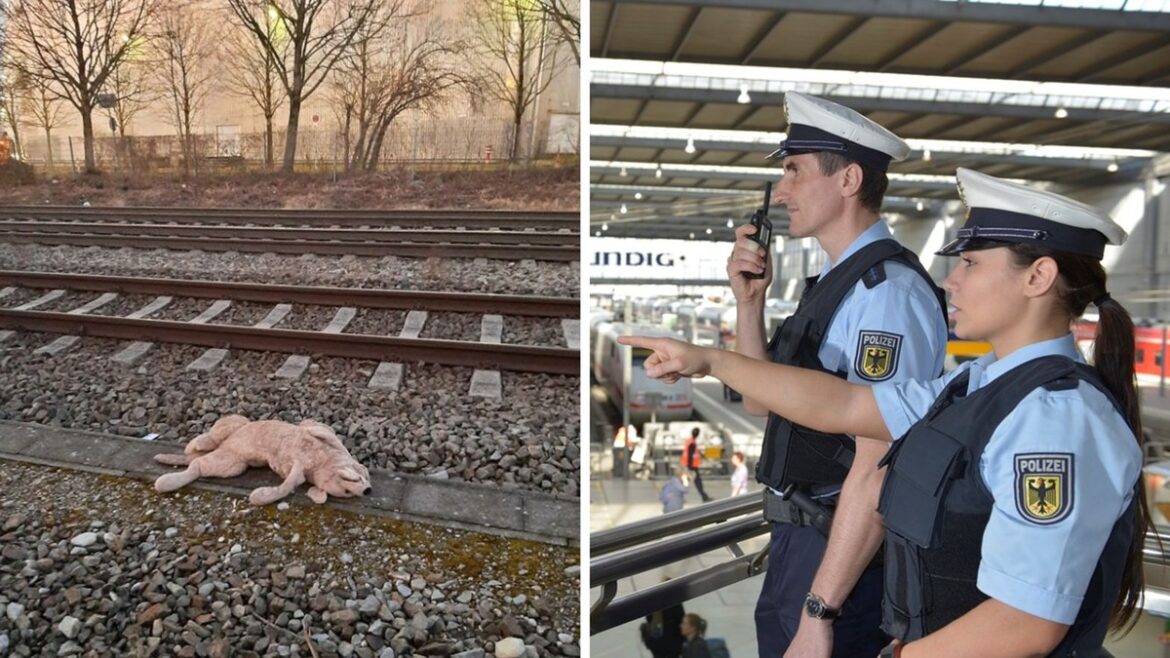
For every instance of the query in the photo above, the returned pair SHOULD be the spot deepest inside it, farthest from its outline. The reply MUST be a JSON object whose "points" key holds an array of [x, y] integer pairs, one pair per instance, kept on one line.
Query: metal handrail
{"points": [[633, 534], [643, 558]]}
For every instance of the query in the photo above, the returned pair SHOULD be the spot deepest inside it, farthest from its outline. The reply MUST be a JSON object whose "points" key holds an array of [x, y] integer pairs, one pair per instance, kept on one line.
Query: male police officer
{"points": [[872, 315]]}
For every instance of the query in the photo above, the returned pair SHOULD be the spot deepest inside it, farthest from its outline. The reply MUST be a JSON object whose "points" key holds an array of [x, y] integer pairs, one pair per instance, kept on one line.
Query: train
{"points": [[649, 399]]}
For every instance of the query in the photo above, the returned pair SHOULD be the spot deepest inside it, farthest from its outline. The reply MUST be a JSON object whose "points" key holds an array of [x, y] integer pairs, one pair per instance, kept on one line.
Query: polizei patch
{"points": [[877, 355], [1044, 486]]}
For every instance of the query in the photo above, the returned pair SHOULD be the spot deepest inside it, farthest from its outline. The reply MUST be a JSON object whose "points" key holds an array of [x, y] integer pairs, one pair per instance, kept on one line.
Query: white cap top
{"points": [[1002, 211], [838, 122]]}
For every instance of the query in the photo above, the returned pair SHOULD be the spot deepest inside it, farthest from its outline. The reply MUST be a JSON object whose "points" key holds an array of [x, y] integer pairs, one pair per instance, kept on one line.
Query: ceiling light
{"points": [[1112, 168], [708, 231], [612, 217], [926, 155], [743, 99], [623, 209], [597, 234], [920, 206], [1061, 113], [604, 226], [638, 195], [658, 172], [690, 145], [624, 174], [730, 223], [692, 236]]}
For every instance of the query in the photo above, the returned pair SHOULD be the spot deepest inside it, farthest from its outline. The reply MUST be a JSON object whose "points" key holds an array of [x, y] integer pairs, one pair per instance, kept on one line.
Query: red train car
{"points": [[1149, 346]]}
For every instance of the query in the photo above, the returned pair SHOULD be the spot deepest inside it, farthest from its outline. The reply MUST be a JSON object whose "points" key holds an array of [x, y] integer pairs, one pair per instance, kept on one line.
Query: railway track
{"points": [[407, 347], [467, 219], [447, 236]]}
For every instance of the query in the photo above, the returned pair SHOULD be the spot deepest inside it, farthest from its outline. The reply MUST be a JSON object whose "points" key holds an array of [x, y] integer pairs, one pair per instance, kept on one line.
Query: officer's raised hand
{"points": [[672, 358], [748, 256]]}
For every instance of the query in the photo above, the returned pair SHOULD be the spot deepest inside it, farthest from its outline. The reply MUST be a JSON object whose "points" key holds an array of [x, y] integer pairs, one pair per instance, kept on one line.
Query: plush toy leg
{"points": [[265, 495], [219, 432], [212, 465]]}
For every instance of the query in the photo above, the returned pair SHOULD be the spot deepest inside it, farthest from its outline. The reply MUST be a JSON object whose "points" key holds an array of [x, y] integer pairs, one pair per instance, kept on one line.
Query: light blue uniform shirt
{"points": [[1041, 569], [901, 311]]}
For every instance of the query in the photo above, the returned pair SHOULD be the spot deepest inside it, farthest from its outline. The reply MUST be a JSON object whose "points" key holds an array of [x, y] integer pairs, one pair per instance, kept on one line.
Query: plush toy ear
{"points": [[317, 495], [349, 474]]}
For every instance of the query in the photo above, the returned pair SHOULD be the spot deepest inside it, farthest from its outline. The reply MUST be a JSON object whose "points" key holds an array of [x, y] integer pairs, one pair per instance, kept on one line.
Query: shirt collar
{"points": [[878, 231], [989, 367]]}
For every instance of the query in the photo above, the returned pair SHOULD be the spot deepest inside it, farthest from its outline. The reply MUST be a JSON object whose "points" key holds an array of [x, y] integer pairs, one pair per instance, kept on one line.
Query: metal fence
{"points": [[476, 140]]}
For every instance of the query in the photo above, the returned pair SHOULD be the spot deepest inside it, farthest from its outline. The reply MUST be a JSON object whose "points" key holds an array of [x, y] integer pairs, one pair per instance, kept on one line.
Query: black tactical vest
{"points": [[936, 509], [793, 453]]}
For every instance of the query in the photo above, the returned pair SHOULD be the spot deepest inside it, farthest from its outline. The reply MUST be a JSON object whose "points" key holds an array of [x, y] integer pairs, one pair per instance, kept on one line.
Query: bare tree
{"points": [[11, 102], [251, 73], [508, 39], [133, 91], [403, 61], [565, 16], [73, 47], [311, 36], [45, 109], [187, 49]]}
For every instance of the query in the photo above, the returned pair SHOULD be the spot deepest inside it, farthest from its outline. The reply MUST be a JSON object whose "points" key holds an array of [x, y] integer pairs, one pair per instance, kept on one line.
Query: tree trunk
{"points": [[290, 144], [376, 147], [268, 141], [87, 135], [49, 145], [517, 120], [18, 144]]}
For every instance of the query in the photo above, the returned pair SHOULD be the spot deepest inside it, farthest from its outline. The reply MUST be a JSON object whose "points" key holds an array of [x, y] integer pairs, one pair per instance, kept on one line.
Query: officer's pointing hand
{"points": [[671, 359]]}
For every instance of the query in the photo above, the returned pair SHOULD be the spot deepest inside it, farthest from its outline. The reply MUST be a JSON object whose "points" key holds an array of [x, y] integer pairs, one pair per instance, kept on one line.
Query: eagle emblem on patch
{"points": [[877, 355], [1044, 486]]}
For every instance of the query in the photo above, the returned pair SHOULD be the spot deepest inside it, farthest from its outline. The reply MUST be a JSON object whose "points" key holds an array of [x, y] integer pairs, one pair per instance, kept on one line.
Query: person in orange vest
{"points": [[691, 460], [5, 147]]}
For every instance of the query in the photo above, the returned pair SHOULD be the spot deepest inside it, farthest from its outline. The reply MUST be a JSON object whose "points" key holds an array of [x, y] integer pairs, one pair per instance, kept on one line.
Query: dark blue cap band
{"points": [[807, 139], [1005, 226]]}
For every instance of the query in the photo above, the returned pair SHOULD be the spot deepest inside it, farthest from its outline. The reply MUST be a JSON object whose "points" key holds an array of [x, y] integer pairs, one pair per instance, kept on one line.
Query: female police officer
{"points": [[1014, 518]]}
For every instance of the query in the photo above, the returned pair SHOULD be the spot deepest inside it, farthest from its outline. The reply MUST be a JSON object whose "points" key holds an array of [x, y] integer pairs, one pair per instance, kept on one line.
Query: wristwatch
{"points": [[814, 606], [892, 650]]}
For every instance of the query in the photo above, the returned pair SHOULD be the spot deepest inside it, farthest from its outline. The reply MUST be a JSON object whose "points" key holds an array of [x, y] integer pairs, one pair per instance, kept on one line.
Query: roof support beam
{"points": [[761, 37], [867, 104], [1095, 19], [1050, 54], [835, 40], [915, 39], [609, 23], [686, 34], [1007, 36], [1104, 65]]}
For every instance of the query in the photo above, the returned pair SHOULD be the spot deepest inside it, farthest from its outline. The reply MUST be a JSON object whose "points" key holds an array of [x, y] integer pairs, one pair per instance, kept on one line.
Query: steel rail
{"points": [[531, 306], [569, 221], [293, 233], [558, 253], [521, 358]]}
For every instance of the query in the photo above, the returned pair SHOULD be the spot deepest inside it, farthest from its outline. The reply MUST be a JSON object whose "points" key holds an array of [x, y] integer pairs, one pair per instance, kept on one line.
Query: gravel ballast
{"points": [[98, 566], [529, 439], [390, 272]]}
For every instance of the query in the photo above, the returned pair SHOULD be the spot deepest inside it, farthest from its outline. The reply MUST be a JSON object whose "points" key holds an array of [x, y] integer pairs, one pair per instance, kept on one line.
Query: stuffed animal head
{"points": [[344, 476]]}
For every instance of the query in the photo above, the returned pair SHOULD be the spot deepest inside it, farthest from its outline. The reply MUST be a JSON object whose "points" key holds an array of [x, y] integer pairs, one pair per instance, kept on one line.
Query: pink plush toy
{"points": [[308, 452]]}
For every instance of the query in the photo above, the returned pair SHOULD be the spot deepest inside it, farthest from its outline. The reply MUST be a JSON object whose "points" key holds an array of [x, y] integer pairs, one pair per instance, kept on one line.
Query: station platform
{"points": [[730, 611]]}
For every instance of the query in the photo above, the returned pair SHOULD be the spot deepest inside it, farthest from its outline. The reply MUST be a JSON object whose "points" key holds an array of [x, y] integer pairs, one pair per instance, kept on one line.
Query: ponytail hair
{"points": [[1082, 280], [697, 622]]}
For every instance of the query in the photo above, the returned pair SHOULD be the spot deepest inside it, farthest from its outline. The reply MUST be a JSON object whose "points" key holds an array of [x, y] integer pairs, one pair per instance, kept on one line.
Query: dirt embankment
{"points": [[543, 188]]}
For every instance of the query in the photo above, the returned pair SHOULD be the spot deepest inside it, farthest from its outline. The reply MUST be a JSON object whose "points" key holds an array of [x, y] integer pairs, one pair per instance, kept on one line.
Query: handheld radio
{"points": [[763, 234]]}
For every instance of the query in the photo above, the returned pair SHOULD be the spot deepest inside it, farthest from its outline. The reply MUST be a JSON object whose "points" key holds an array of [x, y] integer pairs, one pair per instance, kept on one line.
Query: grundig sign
{"points": [[634, 258]]}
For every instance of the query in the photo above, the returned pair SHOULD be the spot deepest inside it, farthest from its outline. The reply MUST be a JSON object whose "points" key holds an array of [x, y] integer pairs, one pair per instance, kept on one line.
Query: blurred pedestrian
{"points": [[739, 474], [691, 459], [693, 629], [674, 491], [662, 632]]}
